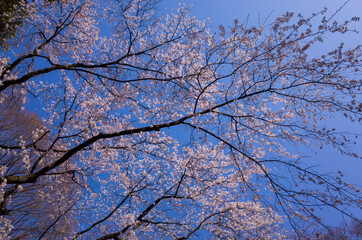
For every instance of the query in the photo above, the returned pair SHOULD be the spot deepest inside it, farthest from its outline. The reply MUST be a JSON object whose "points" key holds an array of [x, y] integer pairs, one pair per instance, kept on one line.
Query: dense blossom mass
{"points": [[119, 123]]}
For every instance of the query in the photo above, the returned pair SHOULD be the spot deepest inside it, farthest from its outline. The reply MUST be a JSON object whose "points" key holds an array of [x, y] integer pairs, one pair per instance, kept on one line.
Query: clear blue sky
{"points": [[225, 11]]}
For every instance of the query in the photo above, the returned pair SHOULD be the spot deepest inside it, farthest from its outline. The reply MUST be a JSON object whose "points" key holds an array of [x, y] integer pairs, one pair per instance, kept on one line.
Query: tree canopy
{"points": [[119, 123]]}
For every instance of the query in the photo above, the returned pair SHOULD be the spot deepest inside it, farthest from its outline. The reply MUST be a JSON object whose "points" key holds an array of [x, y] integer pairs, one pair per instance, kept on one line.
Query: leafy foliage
{"points": [[352, 230], [12, 11]]}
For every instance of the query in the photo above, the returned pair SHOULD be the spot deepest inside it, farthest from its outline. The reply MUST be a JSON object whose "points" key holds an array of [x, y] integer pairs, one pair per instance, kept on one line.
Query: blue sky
{"points": [[260, 11], [225, 11]]}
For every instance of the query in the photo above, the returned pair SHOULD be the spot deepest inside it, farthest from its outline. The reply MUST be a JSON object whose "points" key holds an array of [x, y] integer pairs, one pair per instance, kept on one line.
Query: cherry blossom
{"points": [[151, 127]]}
